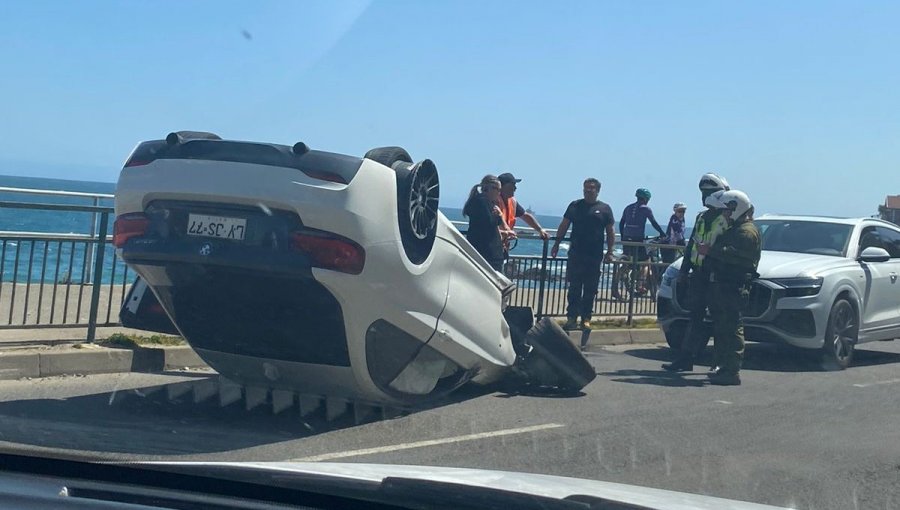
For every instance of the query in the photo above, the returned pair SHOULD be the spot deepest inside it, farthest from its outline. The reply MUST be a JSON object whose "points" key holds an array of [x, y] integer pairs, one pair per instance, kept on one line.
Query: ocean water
{"points": [[67, 261]]}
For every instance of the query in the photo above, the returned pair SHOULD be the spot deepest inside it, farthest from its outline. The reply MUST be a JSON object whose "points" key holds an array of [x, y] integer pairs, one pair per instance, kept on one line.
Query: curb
{"points": [[18, 365], [618, 336], [99, 361]]}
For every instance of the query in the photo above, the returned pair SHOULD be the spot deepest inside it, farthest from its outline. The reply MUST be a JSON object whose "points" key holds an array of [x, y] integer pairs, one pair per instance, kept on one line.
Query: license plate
{"points": [[219, 227]]}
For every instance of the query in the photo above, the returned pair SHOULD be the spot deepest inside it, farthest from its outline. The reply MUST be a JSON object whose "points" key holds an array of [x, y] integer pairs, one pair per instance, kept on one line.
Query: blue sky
{"points": [[794, 102]]}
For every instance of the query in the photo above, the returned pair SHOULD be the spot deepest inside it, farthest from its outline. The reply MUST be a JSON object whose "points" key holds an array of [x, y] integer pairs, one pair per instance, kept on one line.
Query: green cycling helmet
{"points": [[642, 193]]}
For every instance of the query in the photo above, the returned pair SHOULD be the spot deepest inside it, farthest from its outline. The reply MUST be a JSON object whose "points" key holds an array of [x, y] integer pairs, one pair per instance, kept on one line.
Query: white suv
{"points": [[825, 283]]}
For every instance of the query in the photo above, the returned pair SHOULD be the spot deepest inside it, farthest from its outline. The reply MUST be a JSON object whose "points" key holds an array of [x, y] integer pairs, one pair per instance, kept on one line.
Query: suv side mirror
{"points": [[874, 254]]}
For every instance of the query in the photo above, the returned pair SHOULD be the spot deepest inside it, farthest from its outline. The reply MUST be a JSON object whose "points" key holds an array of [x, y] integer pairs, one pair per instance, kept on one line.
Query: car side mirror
{"points": [[874, 254]]}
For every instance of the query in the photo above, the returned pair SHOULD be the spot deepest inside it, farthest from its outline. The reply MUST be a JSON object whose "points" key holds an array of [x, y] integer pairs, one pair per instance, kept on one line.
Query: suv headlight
{"points": [[799, 287]]}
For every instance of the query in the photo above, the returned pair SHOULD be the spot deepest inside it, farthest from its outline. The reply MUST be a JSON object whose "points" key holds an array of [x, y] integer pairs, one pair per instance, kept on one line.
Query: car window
{"points": [[890, 239], [813, 237], [869, 238]]}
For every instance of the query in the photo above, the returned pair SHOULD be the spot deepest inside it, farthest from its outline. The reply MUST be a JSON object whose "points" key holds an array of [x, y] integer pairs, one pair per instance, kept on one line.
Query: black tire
{"points": [[551, 347], [388, 156], [418, 196], [520, 320], [417, 230], [840, 336]]}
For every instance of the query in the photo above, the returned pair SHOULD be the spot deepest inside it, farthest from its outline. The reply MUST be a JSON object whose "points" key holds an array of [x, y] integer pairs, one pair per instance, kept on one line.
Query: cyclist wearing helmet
{"points": [[632, 227], [674, 232], [707, 227]]}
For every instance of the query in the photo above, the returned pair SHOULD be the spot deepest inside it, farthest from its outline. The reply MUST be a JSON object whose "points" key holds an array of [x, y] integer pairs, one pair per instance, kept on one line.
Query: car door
{"points": [[879, 311], [890, 239]]}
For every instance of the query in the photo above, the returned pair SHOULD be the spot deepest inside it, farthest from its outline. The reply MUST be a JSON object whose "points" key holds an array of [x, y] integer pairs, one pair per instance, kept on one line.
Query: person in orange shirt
{"points": [[510, 209]]}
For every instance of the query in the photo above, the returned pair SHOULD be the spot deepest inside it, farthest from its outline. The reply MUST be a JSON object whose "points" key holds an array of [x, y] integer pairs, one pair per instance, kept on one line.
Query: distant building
{"points": [[890, 211]]}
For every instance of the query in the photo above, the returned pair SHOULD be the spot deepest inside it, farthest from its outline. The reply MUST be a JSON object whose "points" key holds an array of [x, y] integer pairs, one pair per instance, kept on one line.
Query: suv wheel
{"points": [[418, 195], [840, 336]]}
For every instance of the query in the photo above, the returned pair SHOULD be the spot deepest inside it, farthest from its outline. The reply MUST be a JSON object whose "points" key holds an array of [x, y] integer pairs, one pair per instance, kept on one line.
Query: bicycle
{"points": [[629, 279]]}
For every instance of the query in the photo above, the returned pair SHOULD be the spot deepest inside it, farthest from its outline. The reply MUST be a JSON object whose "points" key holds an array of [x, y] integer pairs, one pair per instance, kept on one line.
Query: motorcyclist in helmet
{"points": [[731, 263], [693, 277]]}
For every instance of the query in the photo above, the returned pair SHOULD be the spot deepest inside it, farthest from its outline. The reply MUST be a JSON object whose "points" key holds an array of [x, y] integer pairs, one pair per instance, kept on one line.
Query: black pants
{"points": [[697, 336], [583, 274]]}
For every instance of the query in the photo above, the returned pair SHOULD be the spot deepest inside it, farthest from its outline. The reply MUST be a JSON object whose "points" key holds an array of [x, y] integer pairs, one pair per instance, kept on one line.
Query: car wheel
{"points": [[555, 359], [418, 195], [840, 336], [387, 156]]}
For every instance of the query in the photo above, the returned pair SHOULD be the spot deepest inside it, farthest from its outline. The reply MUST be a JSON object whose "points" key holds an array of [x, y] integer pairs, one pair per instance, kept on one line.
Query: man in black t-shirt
{"points": [[592, 224]]}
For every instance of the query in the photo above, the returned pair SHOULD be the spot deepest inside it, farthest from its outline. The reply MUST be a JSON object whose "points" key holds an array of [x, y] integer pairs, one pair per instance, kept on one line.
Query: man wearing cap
{"points": [[674, 232], [511, 209]]}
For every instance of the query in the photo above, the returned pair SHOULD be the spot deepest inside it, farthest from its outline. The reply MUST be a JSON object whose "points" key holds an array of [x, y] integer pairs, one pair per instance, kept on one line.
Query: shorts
{"points": [[638, 253]]}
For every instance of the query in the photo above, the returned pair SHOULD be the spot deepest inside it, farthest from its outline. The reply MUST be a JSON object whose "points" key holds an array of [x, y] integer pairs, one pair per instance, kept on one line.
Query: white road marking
{"points": [[723, 402], [430, 442], [879, 383]]}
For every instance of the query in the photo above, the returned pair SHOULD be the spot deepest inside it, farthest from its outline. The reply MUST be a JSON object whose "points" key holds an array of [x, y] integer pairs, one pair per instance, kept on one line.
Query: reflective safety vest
{"points": [[706, 230], [509, 210]]}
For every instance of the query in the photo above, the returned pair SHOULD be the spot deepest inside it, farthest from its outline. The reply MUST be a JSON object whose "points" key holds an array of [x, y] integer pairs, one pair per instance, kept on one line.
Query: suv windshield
{"points": [[814, 237]]}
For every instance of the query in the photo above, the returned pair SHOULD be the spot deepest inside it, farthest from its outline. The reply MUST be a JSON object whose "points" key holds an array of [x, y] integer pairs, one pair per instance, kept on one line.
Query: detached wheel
{"points": [[840, 336], [555, 360]]}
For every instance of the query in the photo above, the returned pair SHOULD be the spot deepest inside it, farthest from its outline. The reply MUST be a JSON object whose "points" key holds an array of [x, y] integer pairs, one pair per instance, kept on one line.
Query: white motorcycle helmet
{"points": [[679, 205], [713, 182], [737, 201], [714, 200]]}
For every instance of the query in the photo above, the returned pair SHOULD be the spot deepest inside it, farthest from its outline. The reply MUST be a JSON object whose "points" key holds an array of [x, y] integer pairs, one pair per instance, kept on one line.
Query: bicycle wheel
{"points": [[624, 281]]}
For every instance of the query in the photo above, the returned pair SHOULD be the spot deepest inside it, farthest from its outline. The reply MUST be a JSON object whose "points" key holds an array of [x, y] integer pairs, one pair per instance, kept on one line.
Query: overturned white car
{"points": [[322, 273]]}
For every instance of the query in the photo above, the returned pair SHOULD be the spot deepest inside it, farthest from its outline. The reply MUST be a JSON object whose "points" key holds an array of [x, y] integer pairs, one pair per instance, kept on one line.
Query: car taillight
{"points": [[128, 226], [329, 251]]}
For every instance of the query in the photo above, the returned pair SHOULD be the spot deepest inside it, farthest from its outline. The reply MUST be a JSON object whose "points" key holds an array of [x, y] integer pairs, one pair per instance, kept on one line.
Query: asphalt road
{"points": [[791, 435]]}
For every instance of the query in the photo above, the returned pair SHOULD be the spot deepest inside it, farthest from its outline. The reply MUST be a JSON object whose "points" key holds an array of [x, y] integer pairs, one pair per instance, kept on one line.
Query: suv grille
{"points": [[760, 297]]}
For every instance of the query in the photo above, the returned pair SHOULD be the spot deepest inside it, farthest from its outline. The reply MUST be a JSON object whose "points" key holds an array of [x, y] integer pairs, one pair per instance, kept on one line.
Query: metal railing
{"points": [[627, 287], [54, 280]]}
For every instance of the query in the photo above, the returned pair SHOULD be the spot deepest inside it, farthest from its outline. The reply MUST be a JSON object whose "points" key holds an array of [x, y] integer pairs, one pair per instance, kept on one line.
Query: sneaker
{"points": [[586, 325], [571, 324]]}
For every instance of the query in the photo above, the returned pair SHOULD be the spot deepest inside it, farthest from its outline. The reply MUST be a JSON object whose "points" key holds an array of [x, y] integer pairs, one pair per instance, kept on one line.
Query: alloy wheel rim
{"points": [[423, 202]]}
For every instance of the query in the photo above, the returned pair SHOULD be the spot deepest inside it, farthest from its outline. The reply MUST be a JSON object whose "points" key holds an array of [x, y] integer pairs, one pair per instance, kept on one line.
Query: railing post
{"points": [[545, 274], [92, 252], [631, 290], [98, 277]]}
